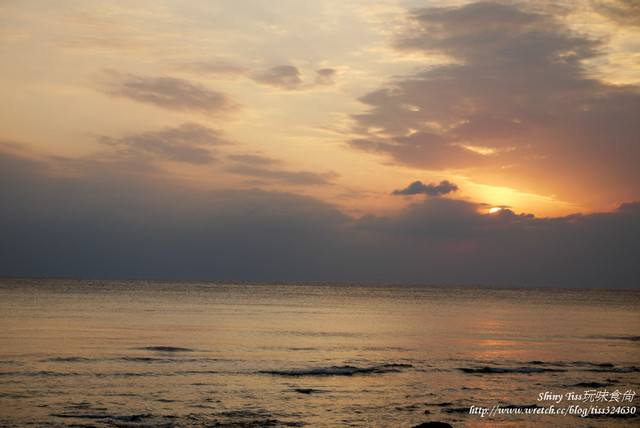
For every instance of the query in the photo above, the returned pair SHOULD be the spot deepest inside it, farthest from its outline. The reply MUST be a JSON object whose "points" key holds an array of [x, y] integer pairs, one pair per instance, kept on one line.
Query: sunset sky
{"points": [[322, 140]]}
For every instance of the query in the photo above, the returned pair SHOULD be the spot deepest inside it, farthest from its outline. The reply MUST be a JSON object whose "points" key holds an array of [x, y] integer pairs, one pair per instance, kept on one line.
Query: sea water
{"points": [[79, 352]]}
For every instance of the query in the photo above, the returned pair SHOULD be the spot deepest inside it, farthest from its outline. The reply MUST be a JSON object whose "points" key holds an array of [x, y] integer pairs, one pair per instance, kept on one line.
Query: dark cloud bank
{"points": [[102, 224]]}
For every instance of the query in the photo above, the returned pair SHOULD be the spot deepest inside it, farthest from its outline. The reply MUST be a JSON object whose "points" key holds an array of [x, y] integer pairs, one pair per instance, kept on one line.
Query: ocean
{"points": [[133, 353]]}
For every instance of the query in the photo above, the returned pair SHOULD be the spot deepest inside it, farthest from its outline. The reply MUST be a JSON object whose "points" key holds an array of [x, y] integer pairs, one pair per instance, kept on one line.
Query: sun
{"points": [[494, 210]]}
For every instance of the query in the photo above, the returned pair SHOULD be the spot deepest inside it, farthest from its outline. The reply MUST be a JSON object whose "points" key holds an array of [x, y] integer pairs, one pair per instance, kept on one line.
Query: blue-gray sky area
{"points": [[436, 142]]}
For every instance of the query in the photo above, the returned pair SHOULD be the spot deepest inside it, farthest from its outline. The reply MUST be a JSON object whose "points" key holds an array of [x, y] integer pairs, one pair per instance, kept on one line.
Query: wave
{"points": [[308, 391], [494, 370], [588, 364], [49, 373], [609, 382], [165, 360], [231, 418], [134, 374], [545, 367], [546, 363], [127, 418], [630, 338], [147, 359], [604, 367], [165, 349], [339, 370], [464, 410], [631, 369], [248, 419], [68, 360]]}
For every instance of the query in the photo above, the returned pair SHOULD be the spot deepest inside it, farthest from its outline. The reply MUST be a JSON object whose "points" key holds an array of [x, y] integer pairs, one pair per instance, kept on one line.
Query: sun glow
{"points": [[494, 210]]}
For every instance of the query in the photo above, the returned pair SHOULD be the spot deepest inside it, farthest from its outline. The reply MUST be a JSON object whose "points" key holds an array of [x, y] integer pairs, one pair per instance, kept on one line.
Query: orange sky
{"points": [[528, 116]]}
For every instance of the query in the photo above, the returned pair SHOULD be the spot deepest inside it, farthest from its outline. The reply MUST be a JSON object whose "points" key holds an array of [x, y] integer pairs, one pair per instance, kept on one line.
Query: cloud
{"points": [[287, 77], [114, 225], [282, 76], [513, 103], [325, 76], [168, 93], [448, 235], [216, 68], [418, 188], [189, 143], [296, 178], [258, 166], [449, 219], [500, 51], [290, 78], [93, 43], [255, 160], [119, 224], [624, 12]]}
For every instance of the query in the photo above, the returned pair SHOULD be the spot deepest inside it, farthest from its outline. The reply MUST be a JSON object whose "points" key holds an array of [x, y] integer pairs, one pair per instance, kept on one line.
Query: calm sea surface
{"points": [[159, 353]]}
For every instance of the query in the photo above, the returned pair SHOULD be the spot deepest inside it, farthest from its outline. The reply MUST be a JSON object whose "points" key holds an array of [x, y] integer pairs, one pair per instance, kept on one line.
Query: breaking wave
{"points": [[165, 349], [493, 370], [345, 370]]}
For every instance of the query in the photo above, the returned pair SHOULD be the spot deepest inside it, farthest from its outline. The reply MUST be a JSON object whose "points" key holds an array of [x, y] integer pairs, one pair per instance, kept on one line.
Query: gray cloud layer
{"points": [[106, 224]]}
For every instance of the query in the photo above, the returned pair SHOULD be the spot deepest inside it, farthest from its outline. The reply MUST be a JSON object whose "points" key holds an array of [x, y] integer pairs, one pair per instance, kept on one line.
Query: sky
{"points": [[437, 142]]}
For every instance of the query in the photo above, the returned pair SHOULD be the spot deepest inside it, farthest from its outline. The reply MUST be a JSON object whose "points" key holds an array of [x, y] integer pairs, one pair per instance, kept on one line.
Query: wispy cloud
{"points": [[283, 76], [189, 143], [325, 76], [168, 93], [625, 12], [216, 68], [255, 160], [269, 168], [295, 178], [290, 78]]}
